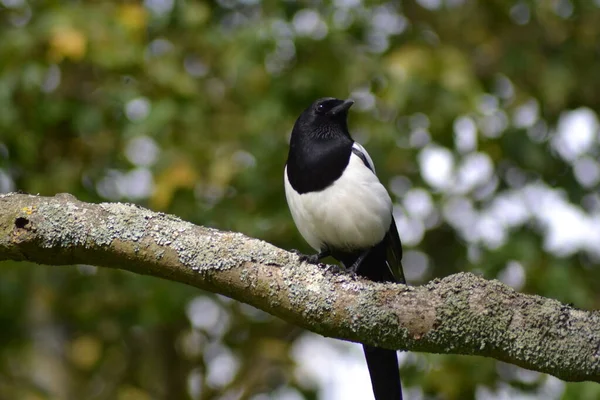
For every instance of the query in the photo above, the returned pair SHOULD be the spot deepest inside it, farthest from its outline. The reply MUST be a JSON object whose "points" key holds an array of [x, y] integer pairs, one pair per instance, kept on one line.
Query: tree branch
{"points": [[461, 314]]}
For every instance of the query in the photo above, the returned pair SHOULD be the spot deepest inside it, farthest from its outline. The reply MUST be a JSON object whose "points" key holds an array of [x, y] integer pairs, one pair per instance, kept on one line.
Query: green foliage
{"points": [[185, 107]]}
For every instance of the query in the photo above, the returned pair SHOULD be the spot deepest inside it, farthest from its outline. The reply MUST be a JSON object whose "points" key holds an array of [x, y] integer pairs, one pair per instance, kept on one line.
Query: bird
{"points": [[342, 210]]}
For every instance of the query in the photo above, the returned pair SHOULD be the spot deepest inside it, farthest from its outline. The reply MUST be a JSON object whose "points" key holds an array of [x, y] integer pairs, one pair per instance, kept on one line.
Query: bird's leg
{"points": [[356, 264], [313, 258]]}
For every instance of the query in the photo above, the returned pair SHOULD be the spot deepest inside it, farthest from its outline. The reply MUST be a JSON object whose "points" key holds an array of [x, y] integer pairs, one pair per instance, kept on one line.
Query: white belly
{"points": [[354, 213]]}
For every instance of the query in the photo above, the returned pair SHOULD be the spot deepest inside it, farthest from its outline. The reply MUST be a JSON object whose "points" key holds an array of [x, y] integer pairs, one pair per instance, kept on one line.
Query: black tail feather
{"points": [[383, 368], [382, 363]]}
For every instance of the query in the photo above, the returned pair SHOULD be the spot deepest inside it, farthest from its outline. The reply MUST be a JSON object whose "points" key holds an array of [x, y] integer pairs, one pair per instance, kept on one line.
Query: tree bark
{"points": [[460, 314]]}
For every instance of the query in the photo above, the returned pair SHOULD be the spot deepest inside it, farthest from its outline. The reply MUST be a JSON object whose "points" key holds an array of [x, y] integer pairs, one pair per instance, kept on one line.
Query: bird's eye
{"points": [[321, 108]]}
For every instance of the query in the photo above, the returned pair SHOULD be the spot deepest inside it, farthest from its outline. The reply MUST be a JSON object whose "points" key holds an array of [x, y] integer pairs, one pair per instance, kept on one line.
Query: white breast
{"points": [[353, 213]]}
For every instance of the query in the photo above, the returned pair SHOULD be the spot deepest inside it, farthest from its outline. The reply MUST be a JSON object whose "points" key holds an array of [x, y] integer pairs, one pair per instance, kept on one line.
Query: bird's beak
{"points": [[341, 108]]}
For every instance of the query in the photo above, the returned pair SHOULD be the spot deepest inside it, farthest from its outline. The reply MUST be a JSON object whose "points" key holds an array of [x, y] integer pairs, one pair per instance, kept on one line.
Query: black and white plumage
{"points": [[341, 209]]}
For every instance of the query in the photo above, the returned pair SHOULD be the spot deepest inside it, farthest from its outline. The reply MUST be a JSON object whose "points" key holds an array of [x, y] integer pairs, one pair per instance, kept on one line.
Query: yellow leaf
{"points": [[132, 16], [179, 175], [67, 42], [85, 351]]}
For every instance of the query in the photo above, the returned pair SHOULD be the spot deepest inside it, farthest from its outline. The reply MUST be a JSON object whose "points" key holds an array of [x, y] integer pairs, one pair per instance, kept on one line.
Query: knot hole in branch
{"points": [[21, 222]]}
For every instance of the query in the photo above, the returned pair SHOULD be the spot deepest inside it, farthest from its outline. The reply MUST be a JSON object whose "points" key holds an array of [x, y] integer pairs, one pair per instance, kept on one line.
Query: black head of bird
{"points": [[325, 118]]}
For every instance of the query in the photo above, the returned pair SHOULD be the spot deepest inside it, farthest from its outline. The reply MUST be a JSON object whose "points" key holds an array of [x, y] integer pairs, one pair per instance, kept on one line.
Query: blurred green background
{"points": [[480, 116]]}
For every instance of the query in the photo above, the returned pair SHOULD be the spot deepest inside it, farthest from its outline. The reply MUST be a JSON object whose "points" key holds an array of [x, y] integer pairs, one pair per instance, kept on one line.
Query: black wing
{"points": [[393, 249]]}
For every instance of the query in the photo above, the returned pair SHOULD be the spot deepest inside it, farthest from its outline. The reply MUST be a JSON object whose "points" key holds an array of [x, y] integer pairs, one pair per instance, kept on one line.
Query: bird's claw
{"points": [[297, 252], [353, 269], [334, 269], [311, 259], [352, 274]]}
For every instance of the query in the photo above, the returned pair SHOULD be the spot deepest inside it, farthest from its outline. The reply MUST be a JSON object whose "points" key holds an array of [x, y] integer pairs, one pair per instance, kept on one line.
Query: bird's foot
{"points": [[354, 267], [356, 264], [334, 269], [351, 273], [313, 258], [309, 258]]}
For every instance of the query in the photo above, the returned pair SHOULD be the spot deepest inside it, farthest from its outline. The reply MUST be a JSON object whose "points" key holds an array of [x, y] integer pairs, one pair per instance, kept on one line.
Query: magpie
{"points": [[342, 210]]}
